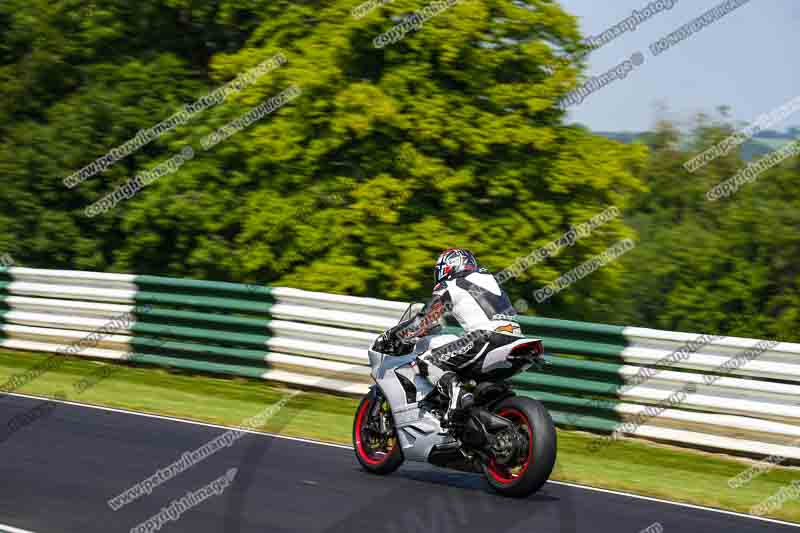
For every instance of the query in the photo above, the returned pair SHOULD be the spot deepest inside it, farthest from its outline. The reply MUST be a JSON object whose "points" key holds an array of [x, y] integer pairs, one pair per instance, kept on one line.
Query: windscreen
{"points": [[411, 311]]}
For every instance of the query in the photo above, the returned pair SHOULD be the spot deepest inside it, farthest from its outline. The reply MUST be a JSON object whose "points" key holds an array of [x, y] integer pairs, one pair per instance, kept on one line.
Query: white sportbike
{"points": [[510, 439]]}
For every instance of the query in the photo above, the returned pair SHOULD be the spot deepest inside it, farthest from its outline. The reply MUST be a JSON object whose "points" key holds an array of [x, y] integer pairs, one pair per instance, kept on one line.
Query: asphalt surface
{"points": [[58, 471]]}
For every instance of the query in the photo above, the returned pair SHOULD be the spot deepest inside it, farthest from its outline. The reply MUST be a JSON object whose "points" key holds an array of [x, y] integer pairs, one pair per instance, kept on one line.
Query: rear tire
{"points": [[375, 461], [531, 472]]}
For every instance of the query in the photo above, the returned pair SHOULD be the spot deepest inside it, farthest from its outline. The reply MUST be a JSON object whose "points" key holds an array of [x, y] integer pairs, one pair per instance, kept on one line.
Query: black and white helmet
{"points": [[452, 261]]}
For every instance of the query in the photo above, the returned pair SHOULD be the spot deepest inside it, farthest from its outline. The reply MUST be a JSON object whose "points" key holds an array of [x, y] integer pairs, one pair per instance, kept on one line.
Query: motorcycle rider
{"points": [[473, 297]]}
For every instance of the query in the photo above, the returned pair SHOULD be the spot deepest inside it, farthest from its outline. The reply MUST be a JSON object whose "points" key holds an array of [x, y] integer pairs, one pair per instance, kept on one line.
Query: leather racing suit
{"points": [[481, 308]]}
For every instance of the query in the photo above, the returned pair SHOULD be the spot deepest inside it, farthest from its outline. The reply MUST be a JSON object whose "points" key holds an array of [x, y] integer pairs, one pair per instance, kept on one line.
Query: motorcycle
{"points": [[510, 439]]}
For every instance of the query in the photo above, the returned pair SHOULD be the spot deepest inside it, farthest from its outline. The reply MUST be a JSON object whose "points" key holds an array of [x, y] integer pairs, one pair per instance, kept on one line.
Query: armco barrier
{"points": [[319, 340]]}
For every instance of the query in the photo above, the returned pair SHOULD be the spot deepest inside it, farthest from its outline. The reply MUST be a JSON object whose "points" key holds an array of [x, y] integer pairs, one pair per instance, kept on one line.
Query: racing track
{"points": [[57, 473]]}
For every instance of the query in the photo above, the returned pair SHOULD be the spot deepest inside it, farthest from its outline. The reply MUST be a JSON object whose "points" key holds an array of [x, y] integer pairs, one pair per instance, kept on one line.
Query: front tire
{"points": [[532, 468], [377, 455]]}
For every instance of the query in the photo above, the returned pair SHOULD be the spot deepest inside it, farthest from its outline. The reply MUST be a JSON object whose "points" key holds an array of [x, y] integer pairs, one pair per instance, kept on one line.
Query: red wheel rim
{"points": [[369, 456], [503, 474]]}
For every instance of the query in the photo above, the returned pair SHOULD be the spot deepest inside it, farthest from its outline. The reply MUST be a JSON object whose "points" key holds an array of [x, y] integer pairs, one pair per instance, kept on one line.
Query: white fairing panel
{"points": [[418, 430], [497, 359]]}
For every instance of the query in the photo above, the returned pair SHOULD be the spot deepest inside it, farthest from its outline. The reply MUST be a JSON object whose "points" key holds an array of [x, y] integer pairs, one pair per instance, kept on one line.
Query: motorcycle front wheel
{"points": [[534, 462], [376, 452]]}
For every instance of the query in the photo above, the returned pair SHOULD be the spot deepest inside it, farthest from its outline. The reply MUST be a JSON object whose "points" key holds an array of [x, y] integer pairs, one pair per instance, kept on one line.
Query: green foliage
{"points": [[450, 137], [728, 266]]}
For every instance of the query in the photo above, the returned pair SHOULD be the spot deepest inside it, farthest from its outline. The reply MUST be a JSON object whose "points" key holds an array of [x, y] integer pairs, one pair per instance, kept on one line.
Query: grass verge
{"points": [[633, 466]]}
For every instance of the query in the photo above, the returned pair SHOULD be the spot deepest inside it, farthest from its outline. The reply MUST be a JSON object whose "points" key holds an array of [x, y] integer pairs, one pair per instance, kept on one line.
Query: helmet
{"points": [[452, 261]]}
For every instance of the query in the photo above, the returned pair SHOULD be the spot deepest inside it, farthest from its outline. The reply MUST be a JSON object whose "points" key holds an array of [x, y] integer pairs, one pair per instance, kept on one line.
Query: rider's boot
{"points": [[459, 402]]}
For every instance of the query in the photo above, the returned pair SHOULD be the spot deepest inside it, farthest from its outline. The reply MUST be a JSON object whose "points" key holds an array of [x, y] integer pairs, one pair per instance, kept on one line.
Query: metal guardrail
{"points": [[320, 340]]}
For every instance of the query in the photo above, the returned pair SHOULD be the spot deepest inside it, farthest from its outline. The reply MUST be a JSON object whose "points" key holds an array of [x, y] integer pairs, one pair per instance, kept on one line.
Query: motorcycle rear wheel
{"points": [[374, 457], [528, 473]]}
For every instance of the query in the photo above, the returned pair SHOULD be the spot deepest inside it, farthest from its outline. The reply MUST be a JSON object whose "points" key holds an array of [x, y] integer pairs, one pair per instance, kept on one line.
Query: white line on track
{"points": [[9, 529], [341, 446]]}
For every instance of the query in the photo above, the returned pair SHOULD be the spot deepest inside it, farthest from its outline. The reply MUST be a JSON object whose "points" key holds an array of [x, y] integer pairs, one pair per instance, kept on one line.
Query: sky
{"points": [[746, 60]]}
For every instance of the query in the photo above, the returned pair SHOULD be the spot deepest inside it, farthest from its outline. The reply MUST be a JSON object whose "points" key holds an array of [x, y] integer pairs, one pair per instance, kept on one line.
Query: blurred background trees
{"points": [[450, 137]]}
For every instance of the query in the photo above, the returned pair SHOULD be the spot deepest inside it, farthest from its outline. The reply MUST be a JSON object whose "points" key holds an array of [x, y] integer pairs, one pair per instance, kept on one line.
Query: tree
{"points": [[717, 267], [451, 136]]}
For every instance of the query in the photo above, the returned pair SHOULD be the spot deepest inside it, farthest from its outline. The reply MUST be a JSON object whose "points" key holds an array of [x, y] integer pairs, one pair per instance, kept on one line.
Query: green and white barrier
{"points": [[601, 378]]}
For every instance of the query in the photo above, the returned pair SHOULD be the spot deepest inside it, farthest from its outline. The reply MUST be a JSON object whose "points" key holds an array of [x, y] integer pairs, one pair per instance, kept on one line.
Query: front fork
{"points": [[380, 411]]}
